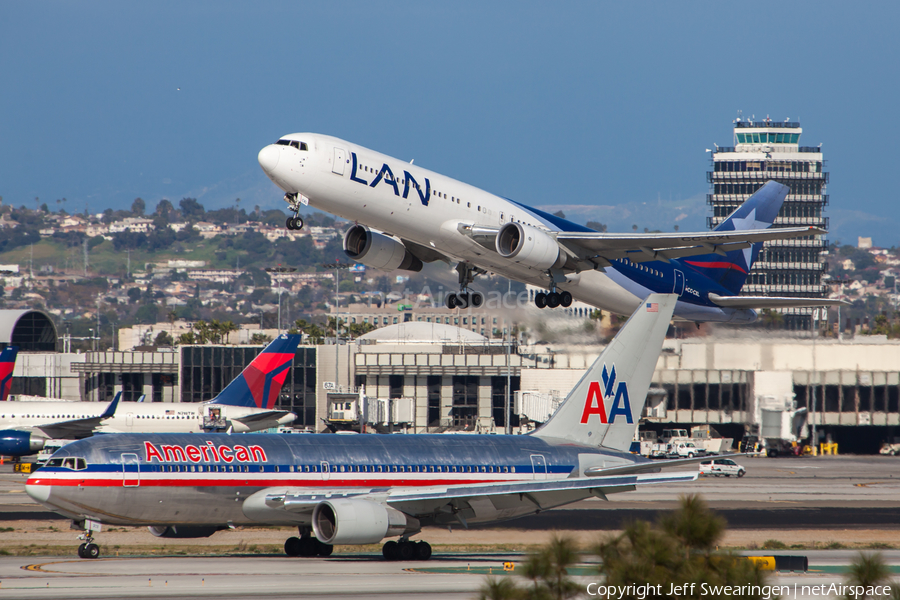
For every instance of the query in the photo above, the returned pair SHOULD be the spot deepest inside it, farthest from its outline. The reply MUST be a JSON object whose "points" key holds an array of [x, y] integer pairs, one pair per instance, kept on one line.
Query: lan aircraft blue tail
{"points": [[730, 269]]}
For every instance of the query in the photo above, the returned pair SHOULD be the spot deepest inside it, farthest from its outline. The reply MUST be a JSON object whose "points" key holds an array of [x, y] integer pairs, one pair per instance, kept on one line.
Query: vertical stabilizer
{"points": [[260, 383], [7, 364], [731, 269], [604, 407]]}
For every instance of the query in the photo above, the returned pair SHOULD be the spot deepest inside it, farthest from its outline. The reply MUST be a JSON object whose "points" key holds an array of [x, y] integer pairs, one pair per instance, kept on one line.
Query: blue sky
{"points": [[603, 109]]}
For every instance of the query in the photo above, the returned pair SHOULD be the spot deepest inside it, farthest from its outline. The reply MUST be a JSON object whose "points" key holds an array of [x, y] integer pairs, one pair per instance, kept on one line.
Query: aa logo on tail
{"points": [[594, 403]]}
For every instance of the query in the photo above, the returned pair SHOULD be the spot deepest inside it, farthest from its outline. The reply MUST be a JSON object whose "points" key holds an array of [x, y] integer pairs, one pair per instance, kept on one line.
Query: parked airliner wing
{"points": [[78, 428], [663, 246], [773, 301]]}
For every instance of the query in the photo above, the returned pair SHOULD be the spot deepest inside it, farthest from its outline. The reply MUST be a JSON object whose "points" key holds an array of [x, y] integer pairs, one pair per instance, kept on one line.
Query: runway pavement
{"points": [[835, 494], [354, 576]]}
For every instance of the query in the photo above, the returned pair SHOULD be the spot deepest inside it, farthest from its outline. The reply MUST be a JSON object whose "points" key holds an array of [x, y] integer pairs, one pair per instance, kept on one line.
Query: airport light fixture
{"points": [[337, 266], [279, 270]]}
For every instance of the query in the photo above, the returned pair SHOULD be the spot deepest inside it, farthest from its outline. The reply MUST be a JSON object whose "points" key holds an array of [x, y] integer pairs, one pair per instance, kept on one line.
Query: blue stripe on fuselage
{"points": [[378, 450], [664, 284]]}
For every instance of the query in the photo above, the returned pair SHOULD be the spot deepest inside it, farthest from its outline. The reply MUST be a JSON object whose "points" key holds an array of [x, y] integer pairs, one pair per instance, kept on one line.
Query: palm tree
{"points": [[868, 571], [499, 589]]}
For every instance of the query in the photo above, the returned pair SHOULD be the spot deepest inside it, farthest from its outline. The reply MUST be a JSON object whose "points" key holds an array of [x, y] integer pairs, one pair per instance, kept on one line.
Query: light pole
{"points": [[337, 322], [277, 273]]}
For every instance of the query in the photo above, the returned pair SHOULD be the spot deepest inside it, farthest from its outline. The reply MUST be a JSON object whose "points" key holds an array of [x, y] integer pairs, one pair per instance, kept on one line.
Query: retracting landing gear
{"points": [[306, 545], [88, 549], [403, 549], [465, 298], [294, 223], [553, 299]]}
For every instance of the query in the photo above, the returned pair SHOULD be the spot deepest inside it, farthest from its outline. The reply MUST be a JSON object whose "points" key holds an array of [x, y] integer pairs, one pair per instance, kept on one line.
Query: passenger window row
{"points": [[331, 469]]}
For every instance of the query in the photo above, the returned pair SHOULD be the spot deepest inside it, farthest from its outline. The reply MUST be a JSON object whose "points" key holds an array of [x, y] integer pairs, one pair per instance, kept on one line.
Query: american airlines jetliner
{"points": [[246, 404], [360, 489], [406, 215]]}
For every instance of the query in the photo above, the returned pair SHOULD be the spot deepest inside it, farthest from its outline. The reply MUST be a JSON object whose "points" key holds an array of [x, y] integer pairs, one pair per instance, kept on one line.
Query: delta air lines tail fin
{"points": [[604, 407], [260, 383], [7, 364], [758, 212]]}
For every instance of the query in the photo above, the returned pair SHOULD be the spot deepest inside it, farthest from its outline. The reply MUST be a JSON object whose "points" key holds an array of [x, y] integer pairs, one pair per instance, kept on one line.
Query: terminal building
{"points": [[432, 377], [769, 150]]}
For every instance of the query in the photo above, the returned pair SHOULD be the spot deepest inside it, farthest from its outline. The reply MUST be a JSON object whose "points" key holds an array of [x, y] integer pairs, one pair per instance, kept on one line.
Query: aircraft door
{"points": [[129, 420], [131, 470], [539, 463], [340, 159], [326, 471], [679, 283]]}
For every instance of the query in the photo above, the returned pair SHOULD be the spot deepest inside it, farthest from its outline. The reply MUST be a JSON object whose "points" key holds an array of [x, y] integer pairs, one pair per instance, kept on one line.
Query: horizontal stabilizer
{"points": [[79, 428], [653, 466], [256, 418], [741, 302]]}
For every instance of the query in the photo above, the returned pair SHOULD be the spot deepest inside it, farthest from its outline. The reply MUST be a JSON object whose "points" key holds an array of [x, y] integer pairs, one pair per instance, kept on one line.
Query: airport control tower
{"points": [[765, 150]]}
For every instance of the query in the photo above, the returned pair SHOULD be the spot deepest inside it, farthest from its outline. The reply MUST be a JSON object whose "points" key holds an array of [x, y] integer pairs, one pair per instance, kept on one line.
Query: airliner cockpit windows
{"points": [[293, 144], [76, 464]]}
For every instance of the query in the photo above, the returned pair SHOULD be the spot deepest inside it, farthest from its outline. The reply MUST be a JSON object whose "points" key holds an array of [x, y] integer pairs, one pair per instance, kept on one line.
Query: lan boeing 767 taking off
{"points": [[406, 215], [360, 489]]}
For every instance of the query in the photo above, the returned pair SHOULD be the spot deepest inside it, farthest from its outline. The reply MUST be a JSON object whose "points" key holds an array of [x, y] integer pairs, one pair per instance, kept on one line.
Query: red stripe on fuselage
{"points": [[148, 481], [716, 265]]}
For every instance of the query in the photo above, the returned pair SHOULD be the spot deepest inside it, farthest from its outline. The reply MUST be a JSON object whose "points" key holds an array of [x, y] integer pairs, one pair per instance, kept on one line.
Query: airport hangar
{"points": [[455, 379]]}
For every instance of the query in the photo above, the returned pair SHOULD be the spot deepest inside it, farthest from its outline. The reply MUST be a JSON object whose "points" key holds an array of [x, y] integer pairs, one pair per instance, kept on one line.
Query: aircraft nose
{"points": [[268, 158], [41, 493]]}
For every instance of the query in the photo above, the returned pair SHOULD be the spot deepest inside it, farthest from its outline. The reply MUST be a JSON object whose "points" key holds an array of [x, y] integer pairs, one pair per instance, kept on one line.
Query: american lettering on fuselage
{"points": [[482, 233], [361, 489]]}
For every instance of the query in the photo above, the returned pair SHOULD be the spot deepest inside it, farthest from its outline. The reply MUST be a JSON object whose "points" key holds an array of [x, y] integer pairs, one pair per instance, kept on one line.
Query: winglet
{"points": [[7, 364], [111, 409], [604, 407]]}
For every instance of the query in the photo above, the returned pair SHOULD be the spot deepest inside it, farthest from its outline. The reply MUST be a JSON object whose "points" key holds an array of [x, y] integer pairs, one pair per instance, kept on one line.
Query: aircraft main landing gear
{"points": [[294, 223], [465, 298], [306, 545], [553, 299], [404, 549]]}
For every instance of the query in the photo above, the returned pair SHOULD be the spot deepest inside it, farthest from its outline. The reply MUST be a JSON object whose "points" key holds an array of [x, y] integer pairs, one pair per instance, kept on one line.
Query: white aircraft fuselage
{"points": [[429, 209], [130, 417]]}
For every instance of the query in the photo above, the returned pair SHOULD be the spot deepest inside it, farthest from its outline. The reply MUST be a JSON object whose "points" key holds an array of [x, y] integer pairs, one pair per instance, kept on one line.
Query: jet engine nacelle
{"points": [[353, 521], [19, 443], [180, 531], [378, 250], [529, 246]]}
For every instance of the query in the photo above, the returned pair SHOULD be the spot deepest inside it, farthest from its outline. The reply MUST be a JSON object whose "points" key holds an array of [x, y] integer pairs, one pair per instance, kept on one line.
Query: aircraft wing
{"points": [[542, 493], [772, 301], [260, 417], [645, 247], [78, 428]]}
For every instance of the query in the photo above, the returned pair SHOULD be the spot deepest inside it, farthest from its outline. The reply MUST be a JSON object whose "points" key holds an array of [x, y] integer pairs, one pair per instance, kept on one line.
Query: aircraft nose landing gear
{"points": [[88, 549], [294, 223]]}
